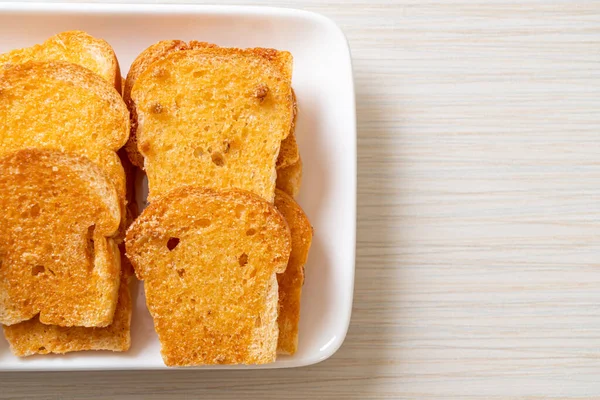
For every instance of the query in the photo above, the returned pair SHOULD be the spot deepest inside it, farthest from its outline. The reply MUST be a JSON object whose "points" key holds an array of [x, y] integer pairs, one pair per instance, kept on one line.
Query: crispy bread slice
{"points": [[291, 281], [289, 178], [289, 149], [131, 209], [289, 153], [153, 53], [63, 106], [57, 257], [75, 47], [208, 260], [32, 337], [221, 111]]}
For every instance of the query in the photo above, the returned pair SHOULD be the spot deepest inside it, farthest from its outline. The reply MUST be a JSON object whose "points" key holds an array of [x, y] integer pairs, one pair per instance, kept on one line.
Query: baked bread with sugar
{"points": [[208, 260], [224, 111], [58, 258]]}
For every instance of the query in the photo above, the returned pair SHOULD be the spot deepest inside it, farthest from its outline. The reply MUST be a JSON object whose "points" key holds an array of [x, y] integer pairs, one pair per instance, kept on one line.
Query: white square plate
{"points": [[326, 130]]}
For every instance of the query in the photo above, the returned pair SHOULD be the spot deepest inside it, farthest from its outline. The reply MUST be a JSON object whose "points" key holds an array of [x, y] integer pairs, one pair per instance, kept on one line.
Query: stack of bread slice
{"points": [[63, 193], [220, 249], [222, 245]]}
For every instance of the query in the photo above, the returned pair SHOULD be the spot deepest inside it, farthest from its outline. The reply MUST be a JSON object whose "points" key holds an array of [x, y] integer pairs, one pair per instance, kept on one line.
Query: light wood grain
{"points": [[478, 253]]}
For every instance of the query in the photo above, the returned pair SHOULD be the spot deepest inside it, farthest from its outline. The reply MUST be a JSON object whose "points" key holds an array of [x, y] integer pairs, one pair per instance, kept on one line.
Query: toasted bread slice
{"points": [[289, 153], [289, 149], [57, 255], [221, 111], [289, 178], [131, 209], [291, 281], [208, 260], [75, 47], [32, 337], [153, 53], [63, 106]]}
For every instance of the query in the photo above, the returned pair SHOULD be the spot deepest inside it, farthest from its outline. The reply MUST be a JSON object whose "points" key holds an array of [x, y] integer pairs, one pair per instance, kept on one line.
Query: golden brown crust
{"points": [[291, 281], [289, 179], [207, 259], [75, 47], [57, 254]]}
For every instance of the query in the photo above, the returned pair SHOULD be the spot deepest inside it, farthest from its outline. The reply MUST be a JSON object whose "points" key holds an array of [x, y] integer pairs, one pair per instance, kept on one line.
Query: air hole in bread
{"points": [[198, 74], [42, 348], [204, 222], [145, 147], [94, 136], [226, 146], [193, 300], [168, 147], [181, 272], [218, 159], [261, 92], [198, 152], [253, 273], [172, 243], [156, 108], [209, 148], [178, 101], [38, 269], [243, 260], [250, 232], [206, 128], [239, 210], [35, 211]]}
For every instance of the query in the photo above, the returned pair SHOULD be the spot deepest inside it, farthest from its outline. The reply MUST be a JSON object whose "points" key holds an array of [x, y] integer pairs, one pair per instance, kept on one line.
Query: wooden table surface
{"points": [[477, 271]]}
